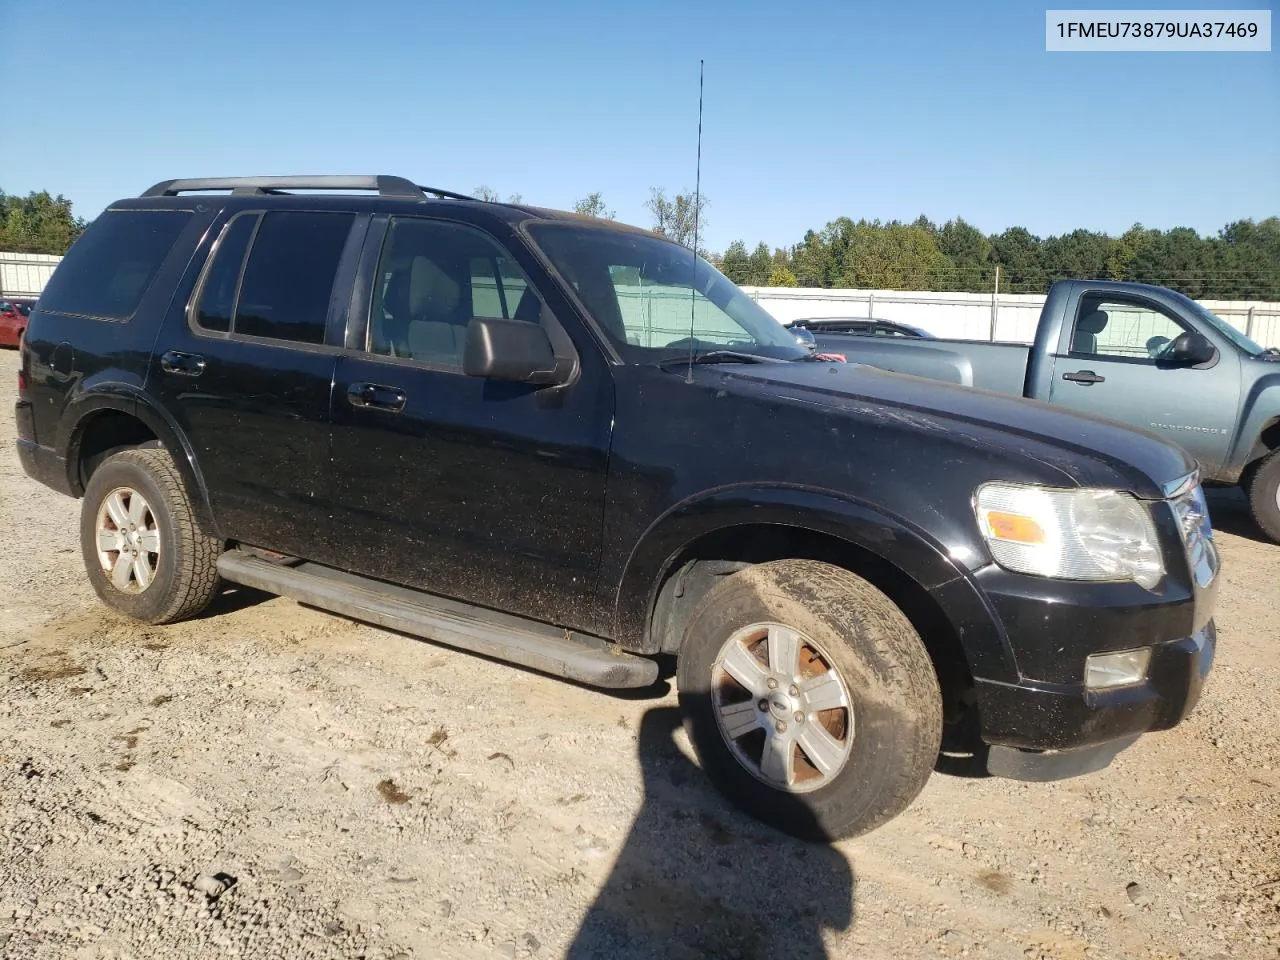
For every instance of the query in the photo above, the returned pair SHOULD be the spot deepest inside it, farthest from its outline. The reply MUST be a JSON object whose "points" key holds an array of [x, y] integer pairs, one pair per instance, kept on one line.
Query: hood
{"points": [[1076, 444]]}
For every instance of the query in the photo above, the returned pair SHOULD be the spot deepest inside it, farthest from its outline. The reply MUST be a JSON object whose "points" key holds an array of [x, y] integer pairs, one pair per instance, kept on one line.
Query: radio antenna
{"points": [[697, 208]]}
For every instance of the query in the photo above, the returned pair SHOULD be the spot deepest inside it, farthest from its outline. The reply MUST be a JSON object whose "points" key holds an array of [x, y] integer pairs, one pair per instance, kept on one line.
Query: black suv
{"points": [[570, 444]]}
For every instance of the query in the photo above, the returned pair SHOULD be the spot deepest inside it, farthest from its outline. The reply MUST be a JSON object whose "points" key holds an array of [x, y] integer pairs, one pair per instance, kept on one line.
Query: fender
{"points": [[893, 539], [131, 399], [1259, 412]]}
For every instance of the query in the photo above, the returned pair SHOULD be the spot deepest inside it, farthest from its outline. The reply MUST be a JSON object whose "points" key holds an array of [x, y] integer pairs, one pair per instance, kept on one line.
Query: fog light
{"points": [[1103, 670]]}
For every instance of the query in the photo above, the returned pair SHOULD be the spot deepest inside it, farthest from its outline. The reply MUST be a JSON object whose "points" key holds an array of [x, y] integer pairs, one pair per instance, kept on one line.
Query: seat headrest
{"points": [[1094, 322], [432, 292]]}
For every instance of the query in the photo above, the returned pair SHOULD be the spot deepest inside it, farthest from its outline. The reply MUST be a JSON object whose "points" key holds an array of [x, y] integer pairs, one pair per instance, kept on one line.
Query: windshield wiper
{"points": [[713, 356]]}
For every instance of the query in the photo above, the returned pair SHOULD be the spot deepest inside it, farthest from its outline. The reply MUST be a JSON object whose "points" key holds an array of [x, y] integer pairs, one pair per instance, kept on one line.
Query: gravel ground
{"points": [[273, 781]]}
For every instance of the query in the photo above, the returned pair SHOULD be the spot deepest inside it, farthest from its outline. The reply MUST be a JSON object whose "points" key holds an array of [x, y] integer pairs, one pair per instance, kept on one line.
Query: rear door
{"points": [[248, 372], [1108, 364], [490, 492]]}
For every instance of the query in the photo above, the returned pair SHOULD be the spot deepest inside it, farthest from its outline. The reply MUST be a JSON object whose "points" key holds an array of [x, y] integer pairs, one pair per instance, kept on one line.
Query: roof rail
{"points": [[386, 186]]}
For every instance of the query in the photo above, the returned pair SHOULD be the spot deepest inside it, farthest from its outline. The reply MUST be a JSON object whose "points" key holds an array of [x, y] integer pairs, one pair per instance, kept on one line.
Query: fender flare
{"points": [[132, 401], [894, 540]]}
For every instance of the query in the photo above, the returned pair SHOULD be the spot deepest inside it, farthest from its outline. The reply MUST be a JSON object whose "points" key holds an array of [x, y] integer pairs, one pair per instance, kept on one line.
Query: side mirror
{"points": [[1191, 349], [514, 350], [805, 338]]}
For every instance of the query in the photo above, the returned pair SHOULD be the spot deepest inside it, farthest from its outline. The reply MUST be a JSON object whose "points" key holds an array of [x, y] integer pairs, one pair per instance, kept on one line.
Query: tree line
{"points": [[37, 223], [1241, 262]]}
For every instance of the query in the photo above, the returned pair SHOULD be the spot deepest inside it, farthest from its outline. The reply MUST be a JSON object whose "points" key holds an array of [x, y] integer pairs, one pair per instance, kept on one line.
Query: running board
{"points": [[561, 653]]}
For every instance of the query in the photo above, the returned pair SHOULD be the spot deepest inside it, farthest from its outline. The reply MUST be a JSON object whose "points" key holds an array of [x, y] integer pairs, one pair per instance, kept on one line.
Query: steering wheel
{"points": [[1156, 346]]}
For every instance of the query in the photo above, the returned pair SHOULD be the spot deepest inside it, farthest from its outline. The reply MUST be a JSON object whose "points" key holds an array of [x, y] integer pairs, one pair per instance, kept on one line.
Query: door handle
{"points": [[184, 364], [377, 396], [1083, 377]]}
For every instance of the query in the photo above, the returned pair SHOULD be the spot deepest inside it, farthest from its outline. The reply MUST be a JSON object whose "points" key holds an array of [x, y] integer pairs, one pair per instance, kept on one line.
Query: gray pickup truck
{"points": [[1144, 355]]}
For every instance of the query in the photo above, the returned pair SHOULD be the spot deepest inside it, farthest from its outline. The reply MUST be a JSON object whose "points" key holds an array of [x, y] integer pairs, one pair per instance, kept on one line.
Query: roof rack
{"points": [[386, 186]]}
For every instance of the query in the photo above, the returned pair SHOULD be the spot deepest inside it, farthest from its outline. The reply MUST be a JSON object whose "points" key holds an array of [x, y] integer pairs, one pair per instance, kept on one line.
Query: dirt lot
{"points": [[272, 781]]}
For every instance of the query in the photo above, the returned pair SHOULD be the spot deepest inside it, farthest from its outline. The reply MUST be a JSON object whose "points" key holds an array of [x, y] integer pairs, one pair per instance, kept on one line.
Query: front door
{"points": [[1112, 367], [248, 375], [485, 491]]}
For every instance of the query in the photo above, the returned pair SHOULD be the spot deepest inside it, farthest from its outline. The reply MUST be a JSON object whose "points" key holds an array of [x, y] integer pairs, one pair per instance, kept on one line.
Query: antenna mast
{"points": [[697, 208]]}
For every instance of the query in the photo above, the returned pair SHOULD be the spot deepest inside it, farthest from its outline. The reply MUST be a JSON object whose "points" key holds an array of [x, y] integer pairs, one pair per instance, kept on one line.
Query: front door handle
{"points": [[183, 364], [1083, 377], [376, 395]]}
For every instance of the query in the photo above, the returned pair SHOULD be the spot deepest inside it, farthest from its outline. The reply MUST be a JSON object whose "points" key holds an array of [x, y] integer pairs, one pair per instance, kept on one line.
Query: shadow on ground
{"points": [[697, 879], [1229, 512]]}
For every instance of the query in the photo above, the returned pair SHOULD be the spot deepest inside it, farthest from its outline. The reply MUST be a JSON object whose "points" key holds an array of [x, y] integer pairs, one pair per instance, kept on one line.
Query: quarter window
{"points": [[109, 268]]}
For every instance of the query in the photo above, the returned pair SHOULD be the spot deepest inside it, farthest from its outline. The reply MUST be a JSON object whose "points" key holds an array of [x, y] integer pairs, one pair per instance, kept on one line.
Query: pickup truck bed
{"points": [[1001, 367]]}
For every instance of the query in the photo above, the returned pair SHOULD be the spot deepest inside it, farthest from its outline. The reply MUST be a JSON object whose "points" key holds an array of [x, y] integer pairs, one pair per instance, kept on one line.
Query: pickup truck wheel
{"points": [[810, 699], [144, 551], [1263, 489]]}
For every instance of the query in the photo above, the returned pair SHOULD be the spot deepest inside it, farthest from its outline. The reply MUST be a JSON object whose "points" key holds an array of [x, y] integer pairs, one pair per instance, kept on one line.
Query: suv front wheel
{"points": [[810, 699], [144, 550]]}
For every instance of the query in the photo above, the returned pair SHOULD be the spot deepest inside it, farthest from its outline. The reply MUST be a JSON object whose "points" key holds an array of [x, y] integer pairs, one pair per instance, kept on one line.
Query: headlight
{"points": [[1069, 534]]}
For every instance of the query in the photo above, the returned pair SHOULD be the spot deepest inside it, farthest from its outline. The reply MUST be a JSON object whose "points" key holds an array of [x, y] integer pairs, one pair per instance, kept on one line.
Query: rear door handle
{"points": [[1085, 377], [376, 395], [184, 364]]}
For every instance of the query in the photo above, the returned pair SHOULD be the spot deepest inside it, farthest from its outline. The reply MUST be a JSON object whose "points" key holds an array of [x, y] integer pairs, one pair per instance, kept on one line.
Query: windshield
{"points": [[645, 295], [1224, 328]]}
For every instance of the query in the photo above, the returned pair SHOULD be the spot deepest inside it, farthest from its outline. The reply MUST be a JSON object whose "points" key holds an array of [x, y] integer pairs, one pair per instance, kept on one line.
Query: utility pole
{"points": [[995, 307]]}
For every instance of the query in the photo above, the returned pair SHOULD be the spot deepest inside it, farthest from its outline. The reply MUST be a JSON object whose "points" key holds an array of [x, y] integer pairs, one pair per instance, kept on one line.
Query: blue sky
{"points": [[813, 110]]}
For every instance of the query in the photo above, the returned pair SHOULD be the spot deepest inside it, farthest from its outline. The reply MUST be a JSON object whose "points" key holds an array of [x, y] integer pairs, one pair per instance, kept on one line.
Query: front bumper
{"points": [[1046, 731]]}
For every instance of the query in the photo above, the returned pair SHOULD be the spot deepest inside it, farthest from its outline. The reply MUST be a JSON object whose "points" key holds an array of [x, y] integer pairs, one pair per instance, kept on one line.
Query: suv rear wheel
{"points": [[810, 699], [145, 553]]}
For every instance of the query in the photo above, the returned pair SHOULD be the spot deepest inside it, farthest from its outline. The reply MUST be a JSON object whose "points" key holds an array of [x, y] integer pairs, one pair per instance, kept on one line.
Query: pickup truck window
{"points": [[1122, 329], [435, 277], [289, 276], [647, 296], [113, 263]]}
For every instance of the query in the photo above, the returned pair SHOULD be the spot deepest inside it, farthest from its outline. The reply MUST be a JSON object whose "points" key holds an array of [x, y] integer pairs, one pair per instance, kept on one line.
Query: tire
{"points": [[886, 734], [143, 487], [1262, 487]]}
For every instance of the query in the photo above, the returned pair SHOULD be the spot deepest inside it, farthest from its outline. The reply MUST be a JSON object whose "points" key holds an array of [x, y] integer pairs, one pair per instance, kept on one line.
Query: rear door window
{"points": [[289, 276], [108, 270]]}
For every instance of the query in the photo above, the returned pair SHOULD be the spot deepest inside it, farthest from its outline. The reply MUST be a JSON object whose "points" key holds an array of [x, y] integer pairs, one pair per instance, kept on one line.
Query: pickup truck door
{"points": [[484, 491], [1107, 364]]}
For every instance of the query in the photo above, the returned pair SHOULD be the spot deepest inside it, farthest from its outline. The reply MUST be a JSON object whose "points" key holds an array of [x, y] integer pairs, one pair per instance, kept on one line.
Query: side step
{"points": [[574, 656]]}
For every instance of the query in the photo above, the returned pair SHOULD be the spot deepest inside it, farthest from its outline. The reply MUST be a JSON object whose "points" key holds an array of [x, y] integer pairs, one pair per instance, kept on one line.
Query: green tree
{"points": [[593, 205], [1018, 252], [736, 264], [761, 265], [678, 218], [969, 252], [811, 260], [490, 195], [1079, 255], [38, 223], [780, 276]]}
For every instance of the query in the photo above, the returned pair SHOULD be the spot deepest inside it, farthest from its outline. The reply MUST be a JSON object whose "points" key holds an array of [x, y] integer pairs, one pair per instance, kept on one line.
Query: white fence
{"points": [[25, 274], [970, 316]]}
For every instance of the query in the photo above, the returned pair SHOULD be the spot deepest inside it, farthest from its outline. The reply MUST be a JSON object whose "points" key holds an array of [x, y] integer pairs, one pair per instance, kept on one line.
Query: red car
{"points": [[13, 321]]}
